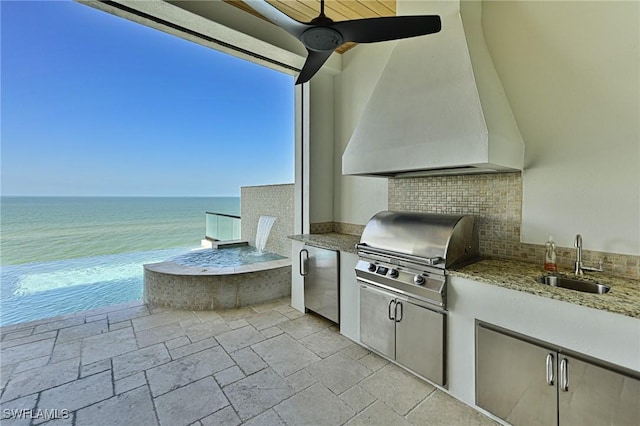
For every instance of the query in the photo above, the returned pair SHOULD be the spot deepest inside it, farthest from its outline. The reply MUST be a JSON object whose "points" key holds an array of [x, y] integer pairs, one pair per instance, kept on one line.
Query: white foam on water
{"points": [[36, 282]]}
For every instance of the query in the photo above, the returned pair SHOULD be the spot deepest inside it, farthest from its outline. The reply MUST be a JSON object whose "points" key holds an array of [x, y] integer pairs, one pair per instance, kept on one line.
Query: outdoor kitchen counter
{"points": [[623, 298], [330, 240]]}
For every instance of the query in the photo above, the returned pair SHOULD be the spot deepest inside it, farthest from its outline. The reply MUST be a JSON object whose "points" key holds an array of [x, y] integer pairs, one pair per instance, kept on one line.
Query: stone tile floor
{"points": [[135, 364]]}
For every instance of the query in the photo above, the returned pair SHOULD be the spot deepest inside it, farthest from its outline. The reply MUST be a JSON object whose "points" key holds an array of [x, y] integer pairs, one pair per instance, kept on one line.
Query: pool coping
{"points": [[173, 268]]}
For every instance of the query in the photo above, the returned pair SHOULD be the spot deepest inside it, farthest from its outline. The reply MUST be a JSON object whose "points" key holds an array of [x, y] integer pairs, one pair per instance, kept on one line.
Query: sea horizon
{"points": [[62, 254]]}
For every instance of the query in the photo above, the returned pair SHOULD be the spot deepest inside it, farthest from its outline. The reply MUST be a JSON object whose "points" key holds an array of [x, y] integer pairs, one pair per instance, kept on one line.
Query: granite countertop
{"points": [[623, 298], [331, 241]]}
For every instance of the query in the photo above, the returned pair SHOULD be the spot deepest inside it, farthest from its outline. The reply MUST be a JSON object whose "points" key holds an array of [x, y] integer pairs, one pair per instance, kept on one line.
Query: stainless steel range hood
{"points": [[439, 107]]}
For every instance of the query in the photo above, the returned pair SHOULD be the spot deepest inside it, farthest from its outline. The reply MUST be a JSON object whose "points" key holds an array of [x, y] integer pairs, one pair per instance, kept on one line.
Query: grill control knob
{"points": [[372, 267], [418, 279], [393, 273]]}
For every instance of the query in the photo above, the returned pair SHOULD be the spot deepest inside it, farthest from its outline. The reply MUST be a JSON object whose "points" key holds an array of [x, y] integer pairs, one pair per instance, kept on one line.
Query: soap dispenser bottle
{"points": [[550, 264]]}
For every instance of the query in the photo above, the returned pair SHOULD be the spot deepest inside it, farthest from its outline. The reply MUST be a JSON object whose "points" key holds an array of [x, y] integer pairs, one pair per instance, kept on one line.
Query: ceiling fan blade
{"points": [[372, 30], [314, 61], [277, 17]]}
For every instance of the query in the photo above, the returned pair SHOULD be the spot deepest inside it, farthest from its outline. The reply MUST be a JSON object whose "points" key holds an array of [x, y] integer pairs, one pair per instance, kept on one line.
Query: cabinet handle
{"points": [[389, 309], [303, 262], [564, 375], [396, 312], [550, 377]]}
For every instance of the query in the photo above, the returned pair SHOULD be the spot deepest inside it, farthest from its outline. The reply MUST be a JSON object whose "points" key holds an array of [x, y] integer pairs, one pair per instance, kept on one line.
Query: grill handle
{"points": [[363, 248]]}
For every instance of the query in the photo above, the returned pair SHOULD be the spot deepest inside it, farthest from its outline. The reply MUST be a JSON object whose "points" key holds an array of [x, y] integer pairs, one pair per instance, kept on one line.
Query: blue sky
{"points": [[93, 104]]}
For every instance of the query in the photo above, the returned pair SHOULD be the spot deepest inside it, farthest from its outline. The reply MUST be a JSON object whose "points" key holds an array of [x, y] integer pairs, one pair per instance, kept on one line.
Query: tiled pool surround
{"points": [[176, 286]]}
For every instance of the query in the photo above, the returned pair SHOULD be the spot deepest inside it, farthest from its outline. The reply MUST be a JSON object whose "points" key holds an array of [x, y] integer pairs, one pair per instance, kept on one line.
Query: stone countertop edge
{"points": [[330, 240], [623, 298]]}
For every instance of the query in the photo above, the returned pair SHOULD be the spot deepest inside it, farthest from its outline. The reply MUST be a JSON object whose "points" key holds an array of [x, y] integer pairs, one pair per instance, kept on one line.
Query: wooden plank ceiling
{"points": [[338, 10]]}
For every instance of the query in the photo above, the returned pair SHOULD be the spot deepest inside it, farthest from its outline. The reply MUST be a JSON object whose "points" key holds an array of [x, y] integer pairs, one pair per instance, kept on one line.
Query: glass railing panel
{"points": [[222, 227]]}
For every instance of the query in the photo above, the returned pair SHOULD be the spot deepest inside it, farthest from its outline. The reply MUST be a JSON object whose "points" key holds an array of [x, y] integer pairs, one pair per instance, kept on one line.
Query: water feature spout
{"points": [[262, 233]]}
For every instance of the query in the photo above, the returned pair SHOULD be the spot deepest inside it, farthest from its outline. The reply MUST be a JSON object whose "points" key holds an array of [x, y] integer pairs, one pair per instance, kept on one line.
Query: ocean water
{"points": [[68, 254]]}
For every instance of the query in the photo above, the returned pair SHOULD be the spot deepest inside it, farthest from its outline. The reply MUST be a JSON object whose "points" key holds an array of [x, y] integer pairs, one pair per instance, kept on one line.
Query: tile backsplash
{"points": [[496, 200]]}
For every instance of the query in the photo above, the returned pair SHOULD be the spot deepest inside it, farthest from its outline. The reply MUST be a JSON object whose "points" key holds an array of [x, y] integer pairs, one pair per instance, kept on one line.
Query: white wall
{"points": [[321, 145], [571, 71], [356, 199]]}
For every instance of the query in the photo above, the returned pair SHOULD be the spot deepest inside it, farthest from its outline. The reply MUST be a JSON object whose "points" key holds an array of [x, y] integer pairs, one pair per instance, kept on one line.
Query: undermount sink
{"points": [[574, 284]]}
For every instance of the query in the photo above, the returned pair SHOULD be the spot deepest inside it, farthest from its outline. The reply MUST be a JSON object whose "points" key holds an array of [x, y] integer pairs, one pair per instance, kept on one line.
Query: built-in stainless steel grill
{"points": [[402, 270], [411, 252]]}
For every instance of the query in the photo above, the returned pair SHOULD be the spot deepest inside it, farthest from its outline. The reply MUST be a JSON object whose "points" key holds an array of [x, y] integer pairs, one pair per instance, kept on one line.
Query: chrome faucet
{"points": [[579, 267]]}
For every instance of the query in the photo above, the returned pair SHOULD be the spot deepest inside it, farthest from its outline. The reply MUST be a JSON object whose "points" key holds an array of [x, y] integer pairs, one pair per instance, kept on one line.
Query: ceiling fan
{"points": [[322, 35]]}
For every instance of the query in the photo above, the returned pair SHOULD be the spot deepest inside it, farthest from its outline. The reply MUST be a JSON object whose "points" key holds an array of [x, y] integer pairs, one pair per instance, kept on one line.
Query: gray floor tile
{"points": [[28, 339], [314, 406], [177, 373], [398, 389], [326, 342], [257, 393], [248, 361], [177, 342], [203, 330], [23, 352], [58, 324], [107, 345], [81, 331], [96, 367], [129, 408], [236, 314], [379, 414], [78, 394], [187, 404], [440, 409], [304, 326], [32, 363], [11, 411], [267, 319], [64, 351], [373, 361], [228, 376], [225, 417], [159, 334], [206, 316], [130, 382], [39, 379], [338, 372], [192, 348], [355, 351], [162, 318], [285, 355], [127, 314], [17, 334], [357, 398], [268, 418], [240, 338], [139, 360], [300, 380]]}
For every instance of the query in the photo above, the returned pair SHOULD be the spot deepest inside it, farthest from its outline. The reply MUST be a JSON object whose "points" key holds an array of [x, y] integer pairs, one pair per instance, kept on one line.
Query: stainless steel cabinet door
{"points": [[419, 340], [377, 327], [515, 380], [592, 395], [321, 282]]}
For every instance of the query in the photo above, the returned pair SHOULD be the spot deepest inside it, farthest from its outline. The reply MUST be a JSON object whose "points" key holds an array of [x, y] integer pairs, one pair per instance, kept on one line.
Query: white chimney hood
{"points": [[438, 107]]}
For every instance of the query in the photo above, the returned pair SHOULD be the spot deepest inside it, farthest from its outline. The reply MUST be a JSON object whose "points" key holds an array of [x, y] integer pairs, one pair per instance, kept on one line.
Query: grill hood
{"points": [[439, 107]]}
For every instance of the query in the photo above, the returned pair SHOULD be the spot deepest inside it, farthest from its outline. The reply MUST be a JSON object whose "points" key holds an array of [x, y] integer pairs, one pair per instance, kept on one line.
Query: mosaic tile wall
{"points": [[496, 199], [211, 292], [339, 227], [268, 200]]}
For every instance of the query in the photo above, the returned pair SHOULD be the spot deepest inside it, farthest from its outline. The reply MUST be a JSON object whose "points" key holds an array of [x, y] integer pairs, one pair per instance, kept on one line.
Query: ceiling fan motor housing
{"points": [[321, 39]]}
